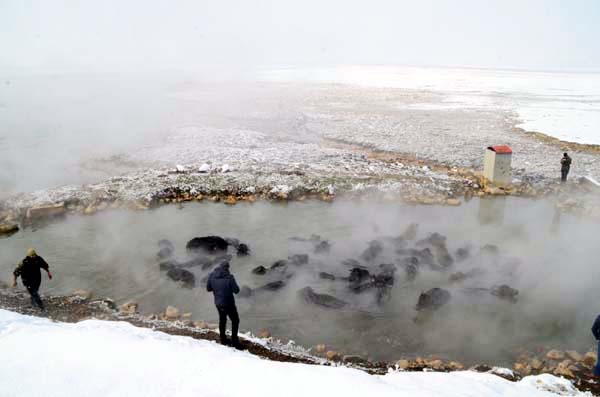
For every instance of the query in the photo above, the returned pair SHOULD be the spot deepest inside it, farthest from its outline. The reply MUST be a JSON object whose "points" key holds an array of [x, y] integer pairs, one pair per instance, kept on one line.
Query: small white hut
{"points": [[497, 165]]}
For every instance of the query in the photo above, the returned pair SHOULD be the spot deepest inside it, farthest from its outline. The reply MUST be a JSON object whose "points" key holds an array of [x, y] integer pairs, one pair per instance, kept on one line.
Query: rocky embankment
{"points": [[335, 152], [81, 305], [389, 175]]}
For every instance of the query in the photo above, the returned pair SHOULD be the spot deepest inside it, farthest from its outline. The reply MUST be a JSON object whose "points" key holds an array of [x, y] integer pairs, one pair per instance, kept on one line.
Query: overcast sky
{"points": [[145, 34]]}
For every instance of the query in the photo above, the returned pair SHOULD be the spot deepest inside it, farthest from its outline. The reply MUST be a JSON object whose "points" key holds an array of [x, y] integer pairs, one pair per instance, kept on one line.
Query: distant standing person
{"points": [[223, 285], [565, 166], [31, 276], [596, 332]]}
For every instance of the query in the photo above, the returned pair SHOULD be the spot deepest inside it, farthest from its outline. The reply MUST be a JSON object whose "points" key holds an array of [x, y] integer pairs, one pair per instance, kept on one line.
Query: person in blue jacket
{"points": [[596, 332], [223, 286]]}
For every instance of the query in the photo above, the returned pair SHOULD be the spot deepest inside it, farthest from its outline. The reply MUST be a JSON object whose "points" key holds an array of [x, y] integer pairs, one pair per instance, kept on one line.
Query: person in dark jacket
{"points": [[31, 276], [223, 285], [565, 166], [596, 332]]}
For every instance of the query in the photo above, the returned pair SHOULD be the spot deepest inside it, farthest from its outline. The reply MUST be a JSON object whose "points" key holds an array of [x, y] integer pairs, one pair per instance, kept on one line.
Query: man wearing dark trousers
{"points": [[565, 167], [223, 285], [31, 276]]}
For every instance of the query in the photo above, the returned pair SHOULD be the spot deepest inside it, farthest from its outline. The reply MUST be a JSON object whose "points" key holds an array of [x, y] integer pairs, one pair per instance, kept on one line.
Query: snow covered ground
{"points": [[99, 358], [562, 105], [299, 128]]}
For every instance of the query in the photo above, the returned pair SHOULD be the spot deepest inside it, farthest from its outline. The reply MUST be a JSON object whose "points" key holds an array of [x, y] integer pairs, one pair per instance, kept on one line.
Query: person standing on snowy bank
{"points": [[223, 285], [31, 276], [596, 332], [565, 166]]}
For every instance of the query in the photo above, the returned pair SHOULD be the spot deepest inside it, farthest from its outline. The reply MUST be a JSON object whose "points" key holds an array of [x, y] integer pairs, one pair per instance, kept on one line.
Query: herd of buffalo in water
{"points": [[364, 274]]}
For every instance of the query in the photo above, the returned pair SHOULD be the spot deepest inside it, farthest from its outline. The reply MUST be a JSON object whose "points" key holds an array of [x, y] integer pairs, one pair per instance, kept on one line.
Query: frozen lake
{"points": [[565, 105]]}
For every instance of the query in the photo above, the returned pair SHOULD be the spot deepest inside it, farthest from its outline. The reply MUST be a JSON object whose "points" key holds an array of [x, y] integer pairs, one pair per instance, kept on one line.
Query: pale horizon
{"points": [[238, 36]]}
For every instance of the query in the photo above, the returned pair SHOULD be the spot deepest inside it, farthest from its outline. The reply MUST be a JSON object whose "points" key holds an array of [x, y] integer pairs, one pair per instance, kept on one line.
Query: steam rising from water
{"points": [[547, 260], [53, 126]]}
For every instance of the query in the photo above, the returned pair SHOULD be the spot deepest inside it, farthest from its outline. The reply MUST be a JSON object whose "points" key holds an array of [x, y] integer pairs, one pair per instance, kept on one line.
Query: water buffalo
{"points": [[322, 247], [463, 253], [168, 264], [326, 276], [298, 259], [279, 265], [457, 277], [411, 232], [245, 292], [437, 242], [166, 249], [314, 238], [358, 275], [411, 271], [259, 270], [424, 256], [241, 248], [324, 300], [373, 250], [319, 244], [361, 280], [383, 282], [411, 267], [351, 263], [461, 276], [433, 299], [505, 292], [272, 286], [182, 276], [207, 245], [490, 249]]}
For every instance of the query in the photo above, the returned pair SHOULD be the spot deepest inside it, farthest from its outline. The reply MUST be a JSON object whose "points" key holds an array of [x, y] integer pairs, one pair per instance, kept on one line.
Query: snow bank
{"points": [[98, 358]]}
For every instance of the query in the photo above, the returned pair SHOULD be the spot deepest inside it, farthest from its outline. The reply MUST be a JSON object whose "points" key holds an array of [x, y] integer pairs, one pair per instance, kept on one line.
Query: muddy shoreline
{"points": [[81, 306], [563, 145]]}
